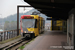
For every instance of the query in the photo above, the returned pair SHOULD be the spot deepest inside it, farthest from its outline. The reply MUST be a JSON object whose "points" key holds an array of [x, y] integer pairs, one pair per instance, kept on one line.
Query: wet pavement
{"points": [[46, 40]]}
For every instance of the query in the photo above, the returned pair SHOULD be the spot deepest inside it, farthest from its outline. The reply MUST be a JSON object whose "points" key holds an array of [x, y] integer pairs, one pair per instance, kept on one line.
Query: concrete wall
{"points": [[68, 31], [70, 27]]}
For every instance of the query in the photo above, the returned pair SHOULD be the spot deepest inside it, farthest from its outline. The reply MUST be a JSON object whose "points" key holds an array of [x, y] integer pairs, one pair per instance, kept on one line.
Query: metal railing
{"points": [[5, 35]]}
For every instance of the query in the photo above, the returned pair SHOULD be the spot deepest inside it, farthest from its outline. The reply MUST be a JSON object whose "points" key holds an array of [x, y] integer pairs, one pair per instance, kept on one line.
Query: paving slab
{"points": [[46, 40]]}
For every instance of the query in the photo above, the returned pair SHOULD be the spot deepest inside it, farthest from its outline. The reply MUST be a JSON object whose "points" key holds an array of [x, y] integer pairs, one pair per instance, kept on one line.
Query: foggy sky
{"points": [[9, 7]]}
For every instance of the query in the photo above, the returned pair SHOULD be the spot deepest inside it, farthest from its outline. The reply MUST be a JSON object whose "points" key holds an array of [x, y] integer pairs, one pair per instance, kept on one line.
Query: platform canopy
{"points": [[53, 8]]}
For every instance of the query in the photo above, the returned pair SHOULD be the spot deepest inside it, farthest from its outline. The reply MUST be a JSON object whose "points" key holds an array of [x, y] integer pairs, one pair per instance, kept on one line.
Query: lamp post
{"points": [[2, 35], [2, 22], [1, 16]]}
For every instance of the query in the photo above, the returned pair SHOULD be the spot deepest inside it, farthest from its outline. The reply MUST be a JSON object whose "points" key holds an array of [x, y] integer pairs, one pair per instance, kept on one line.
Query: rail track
{"points": [[16, 45]]}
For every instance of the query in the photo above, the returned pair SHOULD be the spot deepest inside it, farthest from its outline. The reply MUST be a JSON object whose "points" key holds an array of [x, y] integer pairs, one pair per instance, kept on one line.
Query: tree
{"points": [[13, 25], [6, 25]]}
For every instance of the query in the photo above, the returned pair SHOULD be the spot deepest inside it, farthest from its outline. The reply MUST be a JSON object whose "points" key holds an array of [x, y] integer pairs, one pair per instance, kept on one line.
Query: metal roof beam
{"points": [[62, 5]]}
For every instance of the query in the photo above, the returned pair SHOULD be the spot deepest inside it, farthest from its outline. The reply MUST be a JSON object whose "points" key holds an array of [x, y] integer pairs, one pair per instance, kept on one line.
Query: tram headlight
{"points": [[24, 31], [28, 32], [32, 32]]}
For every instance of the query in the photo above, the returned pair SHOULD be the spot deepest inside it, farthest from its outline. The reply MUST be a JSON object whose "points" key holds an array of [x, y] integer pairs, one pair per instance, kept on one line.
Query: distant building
{"points": [[47, 24]]}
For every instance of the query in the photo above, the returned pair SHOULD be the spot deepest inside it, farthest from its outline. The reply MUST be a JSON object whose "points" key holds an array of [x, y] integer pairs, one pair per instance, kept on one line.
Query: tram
{"points": [[31, 25]]}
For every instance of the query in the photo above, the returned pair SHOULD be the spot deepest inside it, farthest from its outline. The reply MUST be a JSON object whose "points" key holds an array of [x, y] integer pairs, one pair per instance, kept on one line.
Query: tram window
{"points": [[35, 23], [43, 23]]}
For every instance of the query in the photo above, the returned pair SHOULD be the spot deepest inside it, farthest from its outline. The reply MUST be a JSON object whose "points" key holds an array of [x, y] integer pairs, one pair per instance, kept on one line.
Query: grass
{"points": [[27, 43], [22, 47]]}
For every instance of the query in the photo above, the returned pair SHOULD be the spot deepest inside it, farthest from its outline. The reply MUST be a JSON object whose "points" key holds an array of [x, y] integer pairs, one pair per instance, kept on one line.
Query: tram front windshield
{"points": [[28, 23]]}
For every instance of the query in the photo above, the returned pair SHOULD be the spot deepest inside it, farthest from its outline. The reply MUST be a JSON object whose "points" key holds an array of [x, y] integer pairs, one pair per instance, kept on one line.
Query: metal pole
{"points": [[2, 29], [52, 24], [18, 17], [2, 20], [17, 20]]}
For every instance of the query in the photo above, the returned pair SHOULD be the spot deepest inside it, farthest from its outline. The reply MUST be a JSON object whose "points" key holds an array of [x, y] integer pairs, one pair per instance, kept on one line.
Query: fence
{"points": [[5, 35]]}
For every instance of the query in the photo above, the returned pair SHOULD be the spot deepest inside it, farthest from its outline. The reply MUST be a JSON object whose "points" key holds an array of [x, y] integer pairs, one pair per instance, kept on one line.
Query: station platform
{"points": [[46, 40]]}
